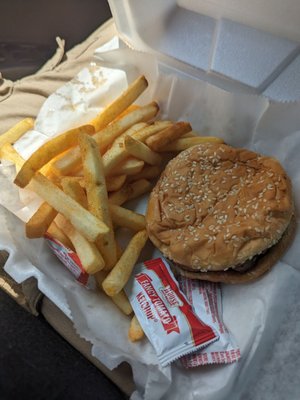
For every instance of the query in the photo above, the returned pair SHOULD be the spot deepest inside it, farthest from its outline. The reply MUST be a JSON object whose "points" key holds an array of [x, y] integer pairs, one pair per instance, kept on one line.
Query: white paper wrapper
{"points": [[254, 312]]}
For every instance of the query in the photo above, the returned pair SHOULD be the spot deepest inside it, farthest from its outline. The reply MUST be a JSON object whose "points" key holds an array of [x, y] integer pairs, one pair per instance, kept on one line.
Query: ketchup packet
{"points": [[206, 298], [164, 313], [69, 258]]}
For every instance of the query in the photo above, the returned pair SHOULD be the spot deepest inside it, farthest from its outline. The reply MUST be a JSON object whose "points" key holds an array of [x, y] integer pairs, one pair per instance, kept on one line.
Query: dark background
{"points": [[36, 363], [28, 29]]}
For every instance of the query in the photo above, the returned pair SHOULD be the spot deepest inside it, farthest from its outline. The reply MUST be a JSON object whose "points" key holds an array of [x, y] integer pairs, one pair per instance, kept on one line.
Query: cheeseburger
{"points": [[221, 214]]}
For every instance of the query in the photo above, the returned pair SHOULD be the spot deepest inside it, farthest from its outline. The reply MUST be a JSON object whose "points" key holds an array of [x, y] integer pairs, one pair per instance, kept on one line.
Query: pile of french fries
{"points": [[86, 174]]}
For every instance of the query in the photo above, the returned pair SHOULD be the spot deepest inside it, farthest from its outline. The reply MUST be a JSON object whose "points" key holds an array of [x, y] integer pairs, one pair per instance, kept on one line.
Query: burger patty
{"points": [[248, 264], [259, 266]]}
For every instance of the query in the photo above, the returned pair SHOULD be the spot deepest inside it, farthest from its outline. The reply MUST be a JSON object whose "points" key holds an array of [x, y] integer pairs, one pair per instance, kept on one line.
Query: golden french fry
{"points": [[130, 191], [120, 299], [18, 130], [47, 171], [87, 252], [119, 275], [128, 110], [184, 143], [138, 188], [104, 138], [117, 153], [120, 196], [40, 221], [72, 187], [114, 183], [48, 151], [141, 151], [67, 163], [122, 302], [107, 136], [85, 222], [56, 233], [130, 166], [8, 152], [97, 196], [135, 331], [127, 218], [168, 135], [151, 130], [148, 172], [120, 104]]}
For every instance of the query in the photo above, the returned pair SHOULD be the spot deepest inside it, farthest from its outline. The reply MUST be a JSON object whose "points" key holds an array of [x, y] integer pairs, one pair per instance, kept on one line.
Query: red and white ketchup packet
{"points": [[206, 298], [69, 258], [164, 313]]}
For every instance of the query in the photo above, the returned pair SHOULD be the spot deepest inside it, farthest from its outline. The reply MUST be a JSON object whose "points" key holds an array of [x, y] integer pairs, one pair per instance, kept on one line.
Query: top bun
{"points": [[215, 207]]}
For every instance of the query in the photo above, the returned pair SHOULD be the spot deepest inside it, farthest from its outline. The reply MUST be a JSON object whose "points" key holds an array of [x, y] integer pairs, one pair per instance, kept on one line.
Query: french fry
{"points": [[141, 151], [85, 222], [87, 252], [130, 192], [119, 275], [40, 221], [135, 331], [8, 152], [72, 187], [138, 188], [67, 163], [18, 130], [114, 183], [168, 135], [122, 302], [148, 172], [55, 232], [46, 170], [106, 137], [151, 130], [128, 110], [70, 162], [97, 196], [127, 218], [120, 104], [117, 153], [120, 196], [130, 166], [184, 143], [48, 151], [120, 299]]}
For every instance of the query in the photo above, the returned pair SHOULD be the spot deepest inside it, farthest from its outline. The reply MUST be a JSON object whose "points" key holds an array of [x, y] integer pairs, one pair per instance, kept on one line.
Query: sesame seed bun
{"points": [[216, 207]]}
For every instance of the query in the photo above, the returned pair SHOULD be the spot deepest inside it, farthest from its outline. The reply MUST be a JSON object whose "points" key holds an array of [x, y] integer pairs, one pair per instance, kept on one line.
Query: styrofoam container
{"points": [[238, 45]]}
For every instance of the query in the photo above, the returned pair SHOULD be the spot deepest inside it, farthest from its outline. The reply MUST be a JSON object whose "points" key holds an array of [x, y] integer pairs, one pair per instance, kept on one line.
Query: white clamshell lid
{"points": [[239, 45]]}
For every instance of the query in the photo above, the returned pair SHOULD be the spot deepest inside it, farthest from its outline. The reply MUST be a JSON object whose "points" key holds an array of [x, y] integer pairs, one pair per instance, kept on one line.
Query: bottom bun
{"points": [[264, 263]]}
